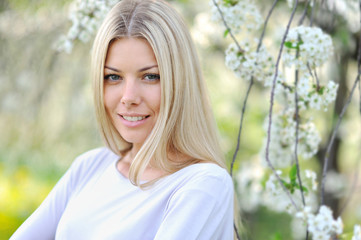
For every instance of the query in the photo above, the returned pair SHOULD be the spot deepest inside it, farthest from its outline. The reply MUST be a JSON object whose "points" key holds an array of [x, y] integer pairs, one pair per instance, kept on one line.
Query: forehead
{"points": [[130, 50]]}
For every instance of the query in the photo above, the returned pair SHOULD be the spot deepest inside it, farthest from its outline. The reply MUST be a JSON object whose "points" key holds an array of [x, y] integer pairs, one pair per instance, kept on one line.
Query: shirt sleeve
{"points": [[202, 210], [42, 224]]}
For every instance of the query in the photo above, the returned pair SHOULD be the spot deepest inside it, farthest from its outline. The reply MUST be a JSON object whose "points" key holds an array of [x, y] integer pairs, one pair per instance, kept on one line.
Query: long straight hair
{"points": [[185, 124]]}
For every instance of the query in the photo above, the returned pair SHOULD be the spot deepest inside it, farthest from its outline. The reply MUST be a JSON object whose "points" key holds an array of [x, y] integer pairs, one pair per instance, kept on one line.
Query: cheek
{"points": [[157, 100], [109, 98]]}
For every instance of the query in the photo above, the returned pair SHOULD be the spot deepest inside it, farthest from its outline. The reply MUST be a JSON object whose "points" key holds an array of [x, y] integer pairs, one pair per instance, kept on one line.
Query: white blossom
{"points": [[239, 14], [290, 3], [250, 63], [356, 233], [249, 185], [312, 176], [310, 96], [315, 47], [283, 139], [276, 199], [86, 16], [321, 96], [322, 225]]}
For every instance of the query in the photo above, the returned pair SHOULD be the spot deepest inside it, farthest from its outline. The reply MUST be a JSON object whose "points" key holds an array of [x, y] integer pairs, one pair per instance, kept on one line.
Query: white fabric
{"points": [[94, 201]]}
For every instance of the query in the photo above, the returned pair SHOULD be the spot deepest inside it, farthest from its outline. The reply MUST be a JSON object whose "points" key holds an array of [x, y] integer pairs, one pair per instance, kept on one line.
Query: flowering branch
{"points": [[303, 15], [312, 14], [241, 124], [272, 103], [297, 116], [297, 119], [314, 76], [249, 88], [228, 29], [265, 24], [326, 159]]}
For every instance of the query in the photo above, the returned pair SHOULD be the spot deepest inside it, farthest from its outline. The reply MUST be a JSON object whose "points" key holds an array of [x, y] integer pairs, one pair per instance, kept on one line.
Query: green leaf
{"points": [[289, 44], [241, 54], [226, 33], [264, 180], [287, 185], [305, 190], [293, 173], [230, 2], [321, 90]]}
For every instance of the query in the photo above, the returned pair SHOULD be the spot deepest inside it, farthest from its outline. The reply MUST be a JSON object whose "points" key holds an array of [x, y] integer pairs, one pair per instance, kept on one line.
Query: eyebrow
{"points": [[140, 70]]}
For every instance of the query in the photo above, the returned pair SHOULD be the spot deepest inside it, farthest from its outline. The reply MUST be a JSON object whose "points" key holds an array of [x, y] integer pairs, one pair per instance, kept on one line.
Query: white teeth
{"points": [[133, 119]]}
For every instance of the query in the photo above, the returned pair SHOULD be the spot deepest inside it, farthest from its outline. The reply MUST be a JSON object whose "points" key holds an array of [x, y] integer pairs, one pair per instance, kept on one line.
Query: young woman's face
{"points": [[132, 91]]}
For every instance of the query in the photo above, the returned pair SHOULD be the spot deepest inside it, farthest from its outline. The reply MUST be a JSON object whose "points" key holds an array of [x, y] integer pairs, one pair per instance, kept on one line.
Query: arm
{"points": [[201, 210], [42, 224]]}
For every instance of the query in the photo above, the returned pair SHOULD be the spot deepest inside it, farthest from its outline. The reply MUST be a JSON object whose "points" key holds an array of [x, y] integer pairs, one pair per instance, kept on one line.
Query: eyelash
{"points": [[109, 76], [154, 77]]}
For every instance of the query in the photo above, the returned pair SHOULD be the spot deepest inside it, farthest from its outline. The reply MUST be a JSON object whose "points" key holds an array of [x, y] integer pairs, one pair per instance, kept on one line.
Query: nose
{"points": [[130, 93]]}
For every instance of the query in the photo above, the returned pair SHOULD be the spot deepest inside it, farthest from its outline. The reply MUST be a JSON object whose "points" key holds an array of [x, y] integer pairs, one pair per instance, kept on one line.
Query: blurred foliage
{"points": [[46, 115]]}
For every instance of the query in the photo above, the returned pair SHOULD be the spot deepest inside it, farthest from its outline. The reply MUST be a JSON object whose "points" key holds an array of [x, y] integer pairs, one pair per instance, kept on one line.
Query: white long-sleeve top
{"points": [[94, 201]]}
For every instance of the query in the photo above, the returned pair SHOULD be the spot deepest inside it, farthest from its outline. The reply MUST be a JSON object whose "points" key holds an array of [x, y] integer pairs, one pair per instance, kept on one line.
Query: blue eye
{"points": [[111, 77], [152, 77]]}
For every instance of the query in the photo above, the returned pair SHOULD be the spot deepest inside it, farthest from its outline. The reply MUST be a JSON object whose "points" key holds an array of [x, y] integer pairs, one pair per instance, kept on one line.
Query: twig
{"points": [[227, 27], [236, 230], [317, 80], [314, 76], [297, 119], [249, 88], [326, 159], [355, 179], [312, 14], [241, 124], [271, 107], [303, 15], [265, 24]]}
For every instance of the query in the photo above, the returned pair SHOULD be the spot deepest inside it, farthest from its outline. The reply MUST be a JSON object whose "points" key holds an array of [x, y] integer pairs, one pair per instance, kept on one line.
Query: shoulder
{"points": [[95, 156], [206, 171], [96, 153], [208, 178], [91, 162]]}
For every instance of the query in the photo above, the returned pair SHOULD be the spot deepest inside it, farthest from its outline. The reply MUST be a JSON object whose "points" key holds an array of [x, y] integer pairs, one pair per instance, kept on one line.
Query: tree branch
{"points": [[303, 15], [272, 103], [227, 27], [249, 89], [326, 159], [297, 119], [241, 124], [314, 76]]}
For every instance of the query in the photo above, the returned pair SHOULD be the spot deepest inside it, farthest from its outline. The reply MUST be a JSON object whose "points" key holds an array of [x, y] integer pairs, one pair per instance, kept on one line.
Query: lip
{"points": [[135, 123]]}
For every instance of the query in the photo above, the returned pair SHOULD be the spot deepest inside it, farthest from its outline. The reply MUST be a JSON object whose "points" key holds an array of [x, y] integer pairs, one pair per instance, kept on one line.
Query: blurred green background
{"points": [[47, 119]]}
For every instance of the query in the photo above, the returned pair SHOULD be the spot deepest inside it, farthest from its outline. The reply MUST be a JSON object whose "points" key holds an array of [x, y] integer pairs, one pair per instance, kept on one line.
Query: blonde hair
{"points": [[185, 125]]}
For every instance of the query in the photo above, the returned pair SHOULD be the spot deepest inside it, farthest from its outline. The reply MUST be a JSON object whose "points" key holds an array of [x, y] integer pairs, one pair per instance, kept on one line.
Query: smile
{"points": [[134, 119]]}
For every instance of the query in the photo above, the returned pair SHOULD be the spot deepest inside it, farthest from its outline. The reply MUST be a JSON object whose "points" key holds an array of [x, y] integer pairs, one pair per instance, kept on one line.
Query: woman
{"points": [[161, 175]]}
